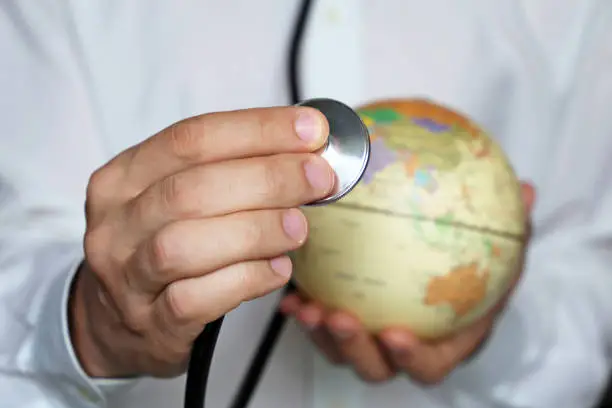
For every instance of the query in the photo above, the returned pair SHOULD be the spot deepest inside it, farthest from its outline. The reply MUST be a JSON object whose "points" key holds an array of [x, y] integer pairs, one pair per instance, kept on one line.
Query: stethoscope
{"points": [[204, 345]]}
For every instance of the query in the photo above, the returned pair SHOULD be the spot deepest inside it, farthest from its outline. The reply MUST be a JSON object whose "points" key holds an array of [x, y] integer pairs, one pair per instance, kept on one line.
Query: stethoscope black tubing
{"points": [[204, 346]]}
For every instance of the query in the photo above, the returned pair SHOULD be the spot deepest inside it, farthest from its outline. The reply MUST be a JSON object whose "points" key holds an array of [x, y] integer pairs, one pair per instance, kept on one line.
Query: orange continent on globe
{"points": [[432, 236]]}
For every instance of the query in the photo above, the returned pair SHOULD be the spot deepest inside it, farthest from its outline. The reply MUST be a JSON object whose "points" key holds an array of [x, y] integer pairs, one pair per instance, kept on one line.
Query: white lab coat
{"points": [[81, 80]]}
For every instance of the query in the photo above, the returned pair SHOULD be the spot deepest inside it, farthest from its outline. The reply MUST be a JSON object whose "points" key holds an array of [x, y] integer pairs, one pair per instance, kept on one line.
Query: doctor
{"points": [[98, 307]]}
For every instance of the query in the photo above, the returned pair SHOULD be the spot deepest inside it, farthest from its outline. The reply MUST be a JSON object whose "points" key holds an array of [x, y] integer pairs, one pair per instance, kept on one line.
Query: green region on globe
{"points": [[431, 237]]}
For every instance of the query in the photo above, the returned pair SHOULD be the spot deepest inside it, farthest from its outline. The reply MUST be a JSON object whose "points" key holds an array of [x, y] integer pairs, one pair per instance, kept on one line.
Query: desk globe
{"points": [[431, 237]]}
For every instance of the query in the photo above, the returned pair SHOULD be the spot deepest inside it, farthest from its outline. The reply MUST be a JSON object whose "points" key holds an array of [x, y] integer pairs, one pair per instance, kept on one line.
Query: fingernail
{"points": [[319, 174], [282, 265], [295, 225], [308, 126]]}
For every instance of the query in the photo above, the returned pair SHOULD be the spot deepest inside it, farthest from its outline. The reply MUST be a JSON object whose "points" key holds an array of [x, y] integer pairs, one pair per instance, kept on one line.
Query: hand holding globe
{"points": [[409, 271]]}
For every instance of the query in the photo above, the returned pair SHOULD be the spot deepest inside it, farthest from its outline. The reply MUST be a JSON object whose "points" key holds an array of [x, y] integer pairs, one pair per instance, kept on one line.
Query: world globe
{"points": [[431, 237]]}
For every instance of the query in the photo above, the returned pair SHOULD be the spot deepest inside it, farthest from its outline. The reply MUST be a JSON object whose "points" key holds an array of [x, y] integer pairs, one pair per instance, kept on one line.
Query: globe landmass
{"points": [[431, 237], [463, 288]]}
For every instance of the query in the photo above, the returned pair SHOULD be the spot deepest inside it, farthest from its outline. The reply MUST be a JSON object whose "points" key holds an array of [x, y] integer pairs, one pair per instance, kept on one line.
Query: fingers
{"points": [[189, 248], [431, 362], [223, 136], [280, 181], [340, 337], [311, 318], [358, 347], [186, 305]]}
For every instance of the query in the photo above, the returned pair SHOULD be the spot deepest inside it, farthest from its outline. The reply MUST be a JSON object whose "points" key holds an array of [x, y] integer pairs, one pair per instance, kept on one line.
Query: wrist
{"points": [[87, 342]]}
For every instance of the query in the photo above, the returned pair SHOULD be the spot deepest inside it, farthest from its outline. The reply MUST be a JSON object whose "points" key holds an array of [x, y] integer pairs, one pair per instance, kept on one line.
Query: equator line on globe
{"points": [[431, 237]]}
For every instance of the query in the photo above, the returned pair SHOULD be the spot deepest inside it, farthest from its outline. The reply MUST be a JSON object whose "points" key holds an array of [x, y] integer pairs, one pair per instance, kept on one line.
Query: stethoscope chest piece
{"points": [[348, 146]]}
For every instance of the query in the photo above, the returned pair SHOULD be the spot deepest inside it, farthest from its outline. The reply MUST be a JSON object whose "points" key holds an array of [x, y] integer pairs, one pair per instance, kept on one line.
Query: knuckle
{"points": [[249, 280], [136, 209], [272, 178], [96, 191], [177, 305], [256, 279], [184, 141], [252, 235], [96, 183], [245, 280], [264, 124], [135, 319], [161, 252], [172, 192]]}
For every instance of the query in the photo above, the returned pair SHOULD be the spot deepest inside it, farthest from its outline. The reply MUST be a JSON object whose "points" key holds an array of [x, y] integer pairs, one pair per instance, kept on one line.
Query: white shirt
{"points": [[82, 80]]}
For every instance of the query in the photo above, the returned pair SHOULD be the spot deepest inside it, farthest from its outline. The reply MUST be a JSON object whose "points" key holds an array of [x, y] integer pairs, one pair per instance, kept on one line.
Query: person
{"points": [[149, 185]]}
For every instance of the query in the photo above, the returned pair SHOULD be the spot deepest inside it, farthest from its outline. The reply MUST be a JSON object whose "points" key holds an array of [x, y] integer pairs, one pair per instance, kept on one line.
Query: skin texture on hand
{"points": [[343, 340], [185, 226]]}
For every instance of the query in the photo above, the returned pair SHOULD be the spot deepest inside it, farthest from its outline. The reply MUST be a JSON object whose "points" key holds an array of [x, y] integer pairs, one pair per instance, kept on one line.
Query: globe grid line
{"points": [[458, 224]]}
